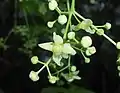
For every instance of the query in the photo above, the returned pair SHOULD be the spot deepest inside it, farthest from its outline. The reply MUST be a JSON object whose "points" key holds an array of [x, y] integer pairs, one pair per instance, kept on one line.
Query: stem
{"points": [[108, 38], [48, 71], [41, 62], [61, 70], [76, 18], [76, 40], [69, 19], [58, 10], [68, 5], [79, 15], [40, 69]]}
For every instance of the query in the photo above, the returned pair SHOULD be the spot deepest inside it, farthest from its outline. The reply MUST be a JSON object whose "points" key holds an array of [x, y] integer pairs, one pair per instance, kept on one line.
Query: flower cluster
{"points": [[63, 48]]}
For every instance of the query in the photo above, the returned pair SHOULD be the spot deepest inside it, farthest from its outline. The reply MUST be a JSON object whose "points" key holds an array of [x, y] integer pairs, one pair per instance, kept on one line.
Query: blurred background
{"points": [[100, 76]]}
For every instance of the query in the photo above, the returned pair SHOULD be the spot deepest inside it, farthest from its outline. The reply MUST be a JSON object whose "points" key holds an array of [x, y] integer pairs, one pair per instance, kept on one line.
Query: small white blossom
{"points": [[62, 19], [71, 35], [34, 76], [52, 4], [60, 50], [107, 26], [118, 45], [86, 41]]}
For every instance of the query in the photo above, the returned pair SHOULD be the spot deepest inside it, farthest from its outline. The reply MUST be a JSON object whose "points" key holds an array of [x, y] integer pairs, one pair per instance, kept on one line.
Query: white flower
{"points": [[107, 26], [71, 35], [34, 60], [118, 45], [34, 76], [86, 41], [52, 4], [62, 19], [71, 76], [53, 79], [60, 50], [50, 23]]}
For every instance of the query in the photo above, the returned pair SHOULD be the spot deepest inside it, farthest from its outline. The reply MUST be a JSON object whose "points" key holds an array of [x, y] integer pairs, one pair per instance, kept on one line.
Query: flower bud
{"points": [[118, 45], [52, 4], [50, 24], [34, 60], [34, 76], [107, 26], [87, 60], [53, 79], [62, 19], [71, 35], [118, 68], [86, 41], [73, 68]]}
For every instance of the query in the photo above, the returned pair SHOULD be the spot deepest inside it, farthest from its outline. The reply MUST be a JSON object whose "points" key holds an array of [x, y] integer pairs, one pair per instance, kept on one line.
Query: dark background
{"points": [[100, 76]]}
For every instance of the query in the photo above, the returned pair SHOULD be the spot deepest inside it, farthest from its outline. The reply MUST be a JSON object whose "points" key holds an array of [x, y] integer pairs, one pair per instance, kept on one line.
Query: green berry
{"points": [[71, 35], [62, 19], [86, 41]]}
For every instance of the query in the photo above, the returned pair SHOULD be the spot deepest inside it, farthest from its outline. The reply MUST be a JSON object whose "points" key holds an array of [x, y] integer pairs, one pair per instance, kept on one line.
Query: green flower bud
{"points": [[73, 68], [86, 41], [92, 50], [87, 52], [62, 19], [50, 24], [71, 35], [53, 5], [34, 76], [87, 60], [118, 45], [57, 49], [100, 32], [34, 60], [118, 68], [107, 26]]}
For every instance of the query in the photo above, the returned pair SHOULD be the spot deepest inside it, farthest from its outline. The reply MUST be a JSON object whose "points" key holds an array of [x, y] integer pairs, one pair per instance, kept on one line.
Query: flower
{"points": [[60, 50], [86, 41], [34, 60], [52, 4], [71, 76], [53, 79], [71, 35], [34, 76], [62, 19], [107, 26]]}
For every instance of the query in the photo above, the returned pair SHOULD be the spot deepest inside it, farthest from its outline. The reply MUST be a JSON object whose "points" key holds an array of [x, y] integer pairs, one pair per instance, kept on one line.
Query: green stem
{"points": [[76, 18], [76, 40], [69, 19], [79, 15]]}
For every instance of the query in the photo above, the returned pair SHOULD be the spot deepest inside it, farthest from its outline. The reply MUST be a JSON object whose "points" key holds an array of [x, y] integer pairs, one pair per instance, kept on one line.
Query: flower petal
{"points": [[77, 77], [47, 46], [67, 49], [57, 59], [57, 39], [64, 55]]}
